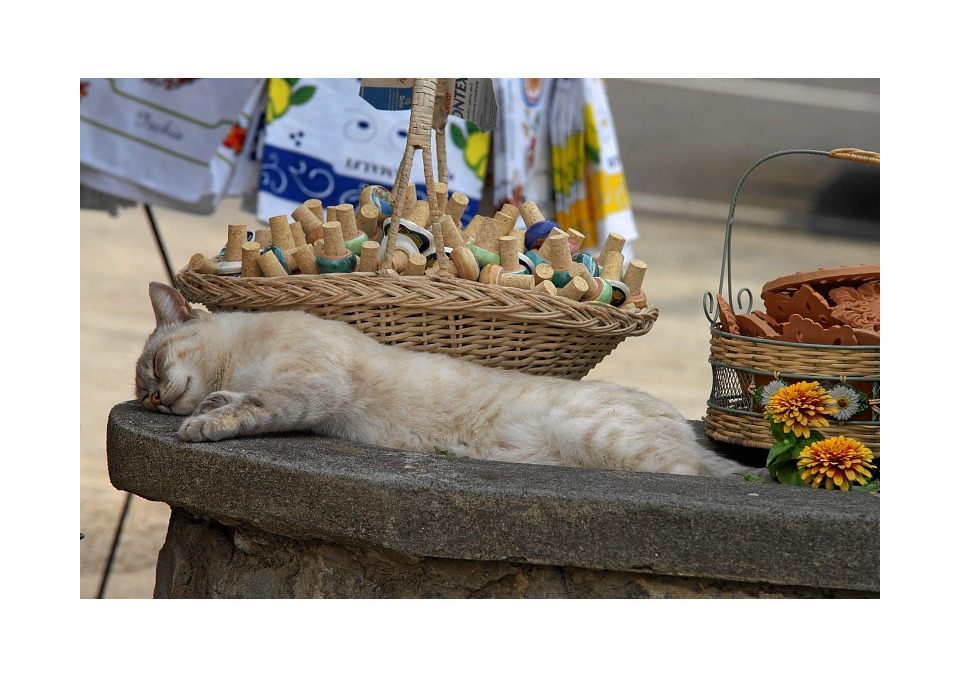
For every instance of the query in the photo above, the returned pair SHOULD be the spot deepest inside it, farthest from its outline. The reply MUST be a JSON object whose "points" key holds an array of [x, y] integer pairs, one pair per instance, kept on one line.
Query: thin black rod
{"points": [[126, 501], [163, 250], [113, 547]]}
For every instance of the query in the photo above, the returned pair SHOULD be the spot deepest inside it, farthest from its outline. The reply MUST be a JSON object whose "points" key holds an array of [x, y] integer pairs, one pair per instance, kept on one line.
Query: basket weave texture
{"points": [[742, 364], [491, 325]]}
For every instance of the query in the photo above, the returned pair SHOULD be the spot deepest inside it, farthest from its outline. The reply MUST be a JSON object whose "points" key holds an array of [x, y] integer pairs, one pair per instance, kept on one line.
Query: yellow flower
{"points": [[838, 460], [801, 406]]}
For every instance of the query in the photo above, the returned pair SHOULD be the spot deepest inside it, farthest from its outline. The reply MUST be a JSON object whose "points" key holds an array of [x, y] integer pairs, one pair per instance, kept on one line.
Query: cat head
{"points": [[172, 373]]}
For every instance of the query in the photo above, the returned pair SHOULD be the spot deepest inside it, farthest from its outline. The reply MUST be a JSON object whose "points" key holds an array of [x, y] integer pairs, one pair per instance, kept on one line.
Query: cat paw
{"points": [[204, 429], [215, 400]]}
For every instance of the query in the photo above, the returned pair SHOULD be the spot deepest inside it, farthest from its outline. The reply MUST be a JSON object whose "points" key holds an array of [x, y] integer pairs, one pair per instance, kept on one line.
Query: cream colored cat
{"points": [[243, 373]]}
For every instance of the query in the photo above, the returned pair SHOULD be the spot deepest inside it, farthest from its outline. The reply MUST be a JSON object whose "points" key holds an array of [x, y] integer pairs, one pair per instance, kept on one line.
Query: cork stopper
{"points": [[348, 221], [202, 264], [509, 255], [487, 234], [400, 260], [470, 232], [556, 250], [368, 220], [510, 212], [516, 281], [574, 289], [440, 190], [530, 213], [299, 237], [543, 271], [280, 230], [410, 198], [633, 277], [612, 245], [316, 208], [456, 205], [507, 218], [306, 259], [576, 238], [581, 271], [369, 255], [419, 214], [416, 264], [612, 266], [263, 237], [546, 287], [236, 236], [271, 266], [307, 218], [465, 263], [333, 247], [452, 236], [315, 235], [249, 253]]}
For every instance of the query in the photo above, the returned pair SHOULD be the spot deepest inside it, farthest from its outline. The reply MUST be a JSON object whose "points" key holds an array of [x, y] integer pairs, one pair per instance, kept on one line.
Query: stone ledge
{"points": [[423, 505]]}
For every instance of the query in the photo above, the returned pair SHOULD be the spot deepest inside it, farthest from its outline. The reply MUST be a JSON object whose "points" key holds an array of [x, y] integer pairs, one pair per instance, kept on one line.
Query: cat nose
{"points": [[155, 399]]}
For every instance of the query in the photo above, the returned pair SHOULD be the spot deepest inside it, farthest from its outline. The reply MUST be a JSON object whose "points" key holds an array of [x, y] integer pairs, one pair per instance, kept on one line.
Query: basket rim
{"points": [[454, 295], [790, 344]]}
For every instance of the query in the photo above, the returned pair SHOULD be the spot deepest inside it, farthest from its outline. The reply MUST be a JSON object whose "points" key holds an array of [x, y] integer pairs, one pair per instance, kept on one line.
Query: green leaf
{"points": [[291, 81], [456, 135], [778, 466], [752, 478], [790, 476], [301, 96], [868, 488], [777, 450], [779, 434]]}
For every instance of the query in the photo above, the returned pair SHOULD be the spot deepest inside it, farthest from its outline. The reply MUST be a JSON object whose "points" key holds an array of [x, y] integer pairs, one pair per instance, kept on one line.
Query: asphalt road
{"points": [[685, 143]]}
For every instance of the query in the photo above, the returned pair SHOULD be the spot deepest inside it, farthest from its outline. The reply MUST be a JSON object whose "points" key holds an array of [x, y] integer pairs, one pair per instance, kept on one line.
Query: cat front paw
{"points": [[207, 428], [215, 400]]}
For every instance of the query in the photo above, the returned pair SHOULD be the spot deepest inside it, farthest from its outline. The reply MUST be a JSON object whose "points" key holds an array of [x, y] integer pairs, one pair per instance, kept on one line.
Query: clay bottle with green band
{"points": [[334, 256]]}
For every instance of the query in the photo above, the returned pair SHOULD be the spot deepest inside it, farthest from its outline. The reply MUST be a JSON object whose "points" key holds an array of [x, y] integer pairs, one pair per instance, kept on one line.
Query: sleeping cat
{"points": [[243, 373]]}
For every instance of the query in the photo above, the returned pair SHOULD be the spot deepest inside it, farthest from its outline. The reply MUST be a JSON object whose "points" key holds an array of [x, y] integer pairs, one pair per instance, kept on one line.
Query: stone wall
{"points": [[301, 516]]}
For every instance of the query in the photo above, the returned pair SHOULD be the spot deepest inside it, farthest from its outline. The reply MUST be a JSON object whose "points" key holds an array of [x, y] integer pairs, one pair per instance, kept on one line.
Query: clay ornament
{"points": [[334, 256], [538, 227], [379, 198]]}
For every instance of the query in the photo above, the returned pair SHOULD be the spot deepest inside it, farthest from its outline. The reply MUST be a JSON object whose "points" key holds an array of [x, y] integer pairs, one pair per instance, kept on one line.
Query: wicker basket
{"points": [[495, 326], [741, 364]]}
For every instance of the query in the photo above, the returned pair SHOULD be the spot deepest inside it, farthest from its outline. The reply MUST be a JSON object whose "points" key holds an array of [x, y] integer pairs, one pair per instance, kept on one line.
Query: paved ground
{"points": [[119, 258]]}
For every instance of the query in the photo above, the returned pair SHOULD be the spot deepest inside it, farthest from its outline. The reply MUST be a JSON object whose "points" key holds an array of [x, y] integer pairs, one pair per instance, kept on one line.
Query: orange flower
{"points": [[801, 406], [838, 460]]}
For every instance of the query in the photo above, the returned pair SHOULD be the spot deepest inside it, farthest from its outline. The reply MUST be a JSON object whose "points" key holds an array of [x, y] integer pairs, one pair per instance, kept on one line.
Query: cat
{"points": [[247, 373]]}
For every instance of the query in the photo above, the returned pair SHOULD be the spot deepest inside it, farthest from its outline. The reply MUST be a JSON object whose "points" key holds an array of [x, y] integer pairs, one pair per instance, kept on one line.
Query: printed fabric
{"points": [[170, 142], [322, 140]]}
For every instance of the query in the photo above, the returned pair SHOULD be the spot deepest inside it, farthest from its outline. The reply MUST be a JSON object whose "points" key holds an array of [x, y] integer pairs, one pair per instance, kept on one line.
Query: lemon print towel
{"points": [[323, 140]]}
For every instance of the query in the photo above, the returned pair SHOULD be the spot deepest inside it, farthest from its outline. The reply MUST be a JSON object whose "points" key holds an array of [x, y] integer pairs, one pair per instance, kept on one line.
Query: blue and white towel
{"points": [[322, 140]]}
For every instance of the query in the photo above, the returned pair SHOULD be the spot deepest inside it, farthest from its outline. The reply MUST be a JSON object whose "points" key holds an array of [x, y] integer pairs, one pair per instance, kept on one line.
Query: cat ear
{"points": [[169, 306]]}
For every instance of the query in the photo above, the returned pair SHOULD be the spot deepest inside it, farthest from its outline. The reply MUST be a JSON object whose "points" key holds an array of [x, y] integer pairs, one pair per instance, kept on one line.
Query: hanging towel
{"points": [[521, 165], [322, 140], [590, 187], [171, 142]]}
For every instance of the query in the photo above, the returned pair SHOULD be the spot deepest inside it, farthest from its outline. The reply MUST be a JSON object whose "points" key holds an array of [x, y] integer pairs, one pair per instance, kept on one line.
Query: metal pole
{"points": [[126, 501]]}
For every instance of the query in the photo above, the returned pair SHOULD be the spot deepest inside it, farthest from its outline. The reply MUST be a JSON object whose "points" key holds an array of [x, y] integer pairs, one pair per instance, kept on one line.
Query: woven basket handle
{"points": [[744, 298], [425, 93]]}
